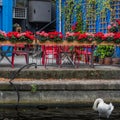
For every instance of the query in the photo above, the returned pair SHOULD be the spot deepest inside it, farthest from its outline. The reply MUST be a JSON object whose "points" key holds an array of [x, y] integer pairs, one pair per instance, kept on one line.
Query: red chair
{"points": [[20, 50], [83, 53], [50, 53]]}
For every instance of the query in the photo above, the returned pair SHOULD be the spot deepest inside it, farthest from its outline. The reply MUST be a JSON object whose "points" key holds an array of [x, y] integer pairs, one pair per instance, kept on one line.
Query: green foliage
{"points": [[68, 11], [2, 37], [98, 7], [13, 39], [79, 20], [33, 88], [25, 39], [105, 51], [73, 9]]}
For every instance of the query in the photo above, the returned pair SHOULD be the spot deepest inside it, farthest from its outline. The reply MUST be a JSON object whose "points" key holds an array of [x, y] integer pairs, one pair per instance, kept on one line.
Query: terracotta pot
{"points": [[115, 60], [101, 61], [107, 60]]}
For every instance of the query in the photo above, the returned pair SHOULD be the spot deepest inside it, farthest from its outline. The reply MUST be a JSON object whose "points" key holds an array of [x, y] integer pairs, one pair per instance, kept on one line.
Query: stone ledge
{"points": [[64, 74], [56, 85]]}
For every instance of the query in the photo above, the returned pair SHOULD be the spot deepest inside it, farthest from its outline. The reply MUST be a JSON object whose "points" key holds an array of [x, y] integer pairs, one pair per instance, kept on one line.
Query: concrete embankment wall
{"points": [[62, 87]]}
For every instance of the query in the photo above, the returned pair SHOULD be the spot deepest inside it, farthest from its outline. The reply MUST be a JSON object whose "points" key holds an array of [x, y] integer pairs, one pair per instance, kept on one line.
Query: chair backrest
{"points": [[85, 49], [20, 47], [50, 49]]}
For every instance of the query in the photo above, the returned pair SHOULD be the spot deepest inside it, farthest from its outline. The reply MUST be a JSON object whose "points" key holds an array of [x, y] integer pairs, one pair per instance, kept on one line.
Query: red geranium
{"points": [[117, 37], [82, 37], [99, 37], [27, 36], [13, 36], [71, 36], [55, 36], [42, 36]]}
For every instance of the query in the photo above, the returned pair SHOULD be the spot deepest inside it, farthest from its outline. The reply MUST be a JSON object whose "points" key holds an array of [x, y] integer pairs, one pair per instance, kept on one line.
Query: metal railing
{"points": [[47, 25]]}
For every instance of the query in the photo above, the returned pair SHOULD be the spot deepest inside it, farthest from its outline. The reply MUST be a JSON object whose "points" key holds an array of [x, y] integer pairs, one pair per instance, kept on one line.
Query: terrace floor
{"points": [[20, 61]]}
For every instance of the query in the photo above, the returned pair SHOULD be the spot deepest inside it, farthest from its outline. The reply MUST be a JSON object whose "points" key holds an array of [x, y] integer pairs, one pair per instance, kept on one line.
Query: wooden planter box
{"points": [[66, 43]]}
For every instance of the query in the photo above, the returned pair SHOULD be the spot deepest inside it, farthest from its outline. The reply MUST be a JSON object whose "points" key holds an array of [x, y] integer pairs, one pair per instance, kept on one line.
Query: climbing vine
{"points": [[98, 7], [68, 11], [73, 8]]}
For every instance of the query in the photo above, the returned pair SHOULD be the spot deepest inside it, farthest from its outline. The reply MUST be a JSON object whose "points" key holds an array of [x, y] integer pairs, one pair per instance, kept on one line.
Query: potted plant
{"points": [[12, 36], [55, 36], [42, 36], [27, 37], [99, 37], [16, 37], [105, 53], [108, 55]]}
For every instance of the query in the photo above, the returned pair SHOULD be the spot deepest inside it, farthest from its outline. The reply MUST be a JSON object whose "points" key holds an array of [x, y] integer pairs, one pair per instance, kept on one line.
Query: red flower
{"points": [[73, 27], [118, 22], [100, 35], [55, 35], [117, 35], [12, 34], [82, 36]]}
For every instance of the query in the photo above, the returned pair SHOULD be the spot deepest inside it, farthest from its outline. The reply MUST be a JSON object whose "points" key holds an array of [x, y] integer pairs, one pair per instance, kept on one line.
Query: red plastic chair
{"points": [[83, 52], [50, 53], [19, 50]]}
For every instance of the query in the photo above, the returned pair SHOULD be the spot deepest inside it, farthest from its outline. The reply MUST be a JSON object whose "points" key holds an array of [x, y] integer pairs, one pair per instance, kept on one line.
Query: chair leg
{"points": [[13, 57], [26, 58], [43, 59]]}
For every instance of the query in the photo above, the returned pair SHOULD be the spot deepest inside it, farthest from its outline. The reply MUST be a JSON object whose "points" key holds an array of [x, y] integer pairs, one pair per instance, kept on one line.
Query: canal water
{"points": [[55, 112]]}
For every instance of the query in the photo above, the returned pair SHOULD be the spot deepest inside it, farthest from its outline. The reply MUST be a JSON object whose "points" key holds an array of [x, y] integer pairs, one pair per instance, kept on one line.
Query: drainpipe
{"points": [[60, 15]]}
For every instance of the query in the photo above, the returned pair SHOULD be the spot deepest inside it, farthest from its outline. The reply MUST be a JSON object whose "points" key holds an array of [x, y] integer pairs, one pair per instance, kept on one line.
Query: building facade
{"points": [[29, 14]]}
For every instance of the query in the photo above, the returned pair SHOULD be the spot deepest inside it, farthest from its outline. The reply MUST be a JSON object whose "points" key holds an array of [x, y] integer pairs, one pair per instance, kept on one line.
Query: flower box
{"points": [[10, 43], [65, 42]]}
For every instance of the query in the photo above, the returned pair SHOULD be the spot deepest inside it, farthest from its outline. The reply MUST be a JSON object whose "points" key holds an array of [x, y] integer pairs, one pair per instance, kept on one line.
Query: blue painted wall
{"points": [[0, 17], [6, 15]]}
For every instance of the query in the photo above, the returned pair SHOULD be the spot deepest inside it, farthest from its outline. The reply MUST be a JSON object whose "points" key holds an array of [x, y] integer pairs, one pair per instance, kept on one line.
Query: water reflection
{"points": [[54, 113]]}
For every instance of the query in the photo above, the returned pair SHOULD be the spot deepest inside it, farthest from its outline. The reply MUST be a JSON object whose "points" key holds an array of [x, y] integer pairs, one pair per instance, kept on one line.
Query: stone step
{"points": [[63, 74], [59, 91], [65, 84]]}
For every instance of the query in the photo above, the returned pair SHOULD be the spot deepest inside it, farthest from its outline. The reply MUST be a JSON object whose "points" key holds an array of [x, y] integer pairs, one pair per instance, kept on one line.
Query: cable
{"points": [[13, 76]]}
